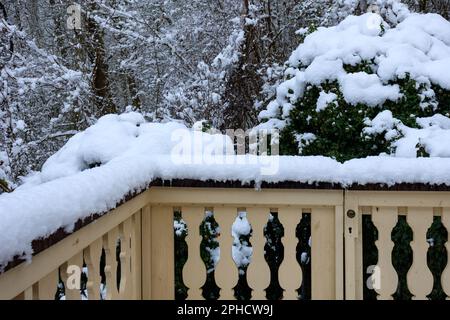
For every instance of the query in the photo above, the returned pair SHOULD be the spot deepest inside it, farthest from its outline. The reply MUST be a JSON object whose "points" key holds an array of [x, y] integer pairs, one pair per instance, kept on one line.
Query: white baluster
{"points": [[258, 272], [226, 271], [385, 279], [290, 271], [420, 278], [194, 271]]}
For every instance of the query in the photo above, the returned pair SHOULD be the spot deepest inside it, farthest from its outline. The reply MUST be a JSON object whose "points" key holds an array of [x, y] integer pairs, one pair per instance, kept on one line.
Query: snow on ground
{"points": [[123, 153]]}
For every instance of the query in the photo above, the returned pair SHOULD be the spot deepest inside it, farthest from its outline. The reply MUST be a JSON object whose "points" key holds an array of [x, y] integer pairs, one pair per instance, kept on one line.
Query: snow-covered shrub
{"points": [[341, 78], [210, 251], [242, 251]]}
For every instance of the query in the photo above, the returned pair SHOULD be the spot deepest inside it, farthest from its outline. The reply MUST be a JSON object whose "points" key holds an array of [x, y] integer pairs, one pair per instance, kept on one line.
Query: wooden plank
{"points": [[290, 273], [136, 255], [109, 244], [420, 278], [92, 255], [352, 239], [29, 293], [47, 286], [163, 265], [226, 271], [339, 249], [126, 281], [194, 271], [385, 219], [71, 281], [445, 279], [244, 197], [146, 253], [258, 272], [422, 199], [322, 254]]}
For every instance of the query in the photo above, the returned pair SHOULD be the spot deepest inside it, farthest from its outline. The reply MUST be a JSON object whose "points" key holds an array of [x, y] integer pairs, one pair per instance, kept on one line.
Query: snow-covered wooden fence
{"points": [[144, 225]]}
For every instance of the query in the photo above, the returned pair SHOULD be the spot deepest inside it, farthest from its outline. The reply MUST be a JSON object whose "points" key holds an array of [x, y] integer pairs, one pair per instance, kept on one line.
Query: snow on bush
{"points": [[340, 78], [210, 250], [241, 251]]}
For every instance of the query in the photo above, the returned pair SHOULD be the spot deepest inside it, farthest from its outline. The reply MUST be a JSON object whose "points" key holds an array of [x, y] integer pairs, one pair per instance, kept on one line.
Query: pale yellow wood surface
{"points": [[136, 254], [339, 249], [273, 198], [146, 252], [226, 272], [385, 219], [92, 255], [194, 271], [290, 273], [163, 265], [322, 254], [126, 280], [402, 198], [258, 272], [353, 247], [420, 278], [47, 286], [77, 261], [110, 244]]}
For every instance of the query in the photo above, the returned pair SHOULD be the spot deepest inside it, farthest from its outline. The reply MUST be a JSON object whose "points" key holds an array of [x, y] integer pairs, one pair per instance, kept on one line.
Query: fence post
{"points": [[339, 249], [158, 255], [146, 253], [353, 247]]}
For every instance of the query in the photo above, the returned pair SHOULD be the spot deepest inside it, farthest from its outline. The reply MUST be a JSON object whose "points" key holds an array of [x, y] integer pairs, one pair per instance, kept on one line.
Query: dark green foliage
{"points": [[303, 233], [402, 256], [443, 96], [3, 186], [421, 151], [339, 127], [181, 251], [242, 289], [370, 254], [209, 230], [437, 258], [274, 255]]}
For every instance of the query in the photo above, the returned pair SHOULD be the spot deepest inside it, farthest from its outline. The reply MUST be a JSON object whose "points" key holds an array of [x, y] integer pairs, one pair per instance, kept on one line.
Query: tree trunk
{"points": [[363, 6], [100, 80]]}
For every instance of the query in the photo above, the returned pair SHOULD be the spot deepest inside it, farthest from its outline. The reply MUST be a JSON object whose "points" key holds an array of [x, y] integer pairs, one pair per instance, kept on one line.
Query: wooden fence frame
{"points": [[336, 214]]}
